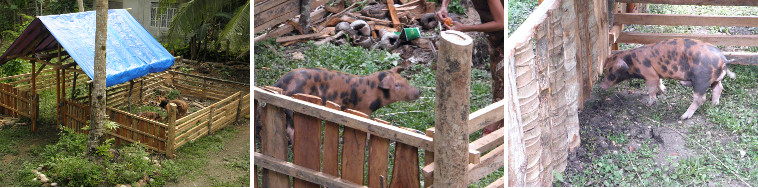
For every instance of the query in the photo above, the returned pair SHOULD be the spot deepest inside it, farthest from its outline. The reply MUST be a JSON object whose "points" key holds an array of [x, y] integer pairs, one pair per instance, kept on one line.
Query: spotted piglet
{"points": [[362, 93], [693, 62]]}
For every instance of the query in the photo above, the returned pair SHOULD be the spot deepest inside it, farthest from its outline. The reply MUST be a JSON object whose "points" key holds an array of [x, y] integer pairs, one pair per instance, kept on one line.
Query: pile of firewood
{"points": [[376, 26]]}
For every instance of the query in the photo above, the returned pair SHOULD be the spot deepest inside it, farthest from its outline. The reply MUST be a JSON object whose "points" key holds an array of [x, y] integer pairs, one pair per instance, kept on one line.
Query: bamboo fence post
{"points": [[73, 85], [129, 97], [239, 106], [171, 130], [453, 85], [210, 119], [141, 89]]}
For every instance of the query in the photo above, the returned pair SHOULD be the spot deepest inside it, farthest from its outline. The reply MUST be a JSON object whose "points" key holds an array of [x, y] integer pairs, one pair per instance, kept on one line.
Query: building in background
{"points": [[148, 13]]}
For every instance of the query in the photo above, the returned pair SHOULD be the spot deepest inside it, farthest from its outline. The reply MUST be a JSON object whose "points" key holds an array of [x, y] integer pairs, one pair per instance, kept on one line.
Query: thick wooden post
{"points": [[171, 130], [452, 109], [34, 92]]}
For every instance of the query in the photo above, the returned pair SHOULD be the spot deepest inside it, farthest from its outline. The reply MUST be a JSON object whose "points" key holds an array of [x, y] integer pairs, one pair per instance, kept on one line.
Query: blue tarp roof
{"points": [[131, 51]]}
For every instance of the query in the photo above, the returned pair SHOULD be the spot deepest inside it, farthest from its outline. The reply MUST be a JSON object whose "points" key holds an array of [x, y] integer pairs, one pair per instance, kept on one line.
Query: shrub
{"points": [[66, 164]]}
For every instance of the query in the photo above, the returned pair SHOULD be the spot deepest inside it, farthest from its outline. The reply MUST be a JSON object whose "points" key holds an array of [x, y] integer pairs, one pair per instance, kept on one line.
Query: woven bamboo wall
{"points": [[557, 55]]}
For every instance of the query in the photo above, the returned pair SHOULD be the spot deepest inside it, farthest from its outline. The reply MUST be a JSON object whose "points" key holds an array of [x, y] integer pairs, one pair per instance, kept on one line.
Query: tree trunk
{"points": [[305, 15], [97, 112], [81, 5]]}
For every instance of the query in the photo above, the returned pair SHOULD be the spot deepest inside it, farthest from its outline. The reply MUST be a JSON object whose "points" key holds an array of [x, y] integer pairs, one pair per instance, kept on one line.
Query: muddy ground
{"points": [[619, 130]]}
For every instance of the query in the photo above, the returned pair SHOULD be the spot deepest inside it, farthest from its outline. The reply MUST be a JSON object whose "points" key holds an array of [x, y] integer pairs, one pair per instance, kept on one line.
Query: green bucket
{"points": [[410, 33]]}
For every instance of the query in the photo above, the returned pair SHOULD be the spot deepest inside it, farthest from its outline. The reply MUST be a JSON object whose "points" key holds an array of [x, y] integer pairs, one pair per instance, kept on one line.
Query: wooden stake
{"points": [[393, 14], [429, 159], [453, 81], [239, 106]]}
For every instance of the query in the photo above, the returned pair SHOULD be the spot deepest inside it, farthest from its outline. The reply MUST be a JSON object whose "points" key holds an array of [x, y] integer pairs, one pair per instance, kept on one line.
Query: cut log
{"points": [[451, 136], [328, 39]]}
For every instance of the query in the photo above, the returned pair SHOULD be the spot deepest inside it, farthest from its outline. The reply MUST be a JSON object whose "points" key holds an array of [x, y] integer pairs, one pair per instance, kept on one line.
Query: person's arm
{"points": [[442, 13], [496, 8]]}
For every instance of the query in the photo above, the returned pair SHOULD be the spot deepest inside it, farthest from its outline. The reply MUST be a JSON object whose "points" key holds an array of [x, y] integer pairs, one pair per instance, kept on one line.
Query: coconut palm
{"points": [[210, 25]]}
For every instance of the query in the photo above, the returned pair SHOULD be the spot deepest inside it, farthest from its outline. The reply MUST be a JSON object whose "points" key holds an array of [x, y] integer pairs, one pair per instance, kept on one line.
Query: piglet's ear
{"points": [[387, 82], [621, 65]]}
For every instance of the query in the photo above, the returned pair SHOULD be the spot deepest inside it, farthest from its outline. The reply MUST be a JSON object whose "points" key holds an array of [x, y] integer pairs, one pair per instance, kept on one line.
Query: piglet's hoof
{"points": [[686, 115]]}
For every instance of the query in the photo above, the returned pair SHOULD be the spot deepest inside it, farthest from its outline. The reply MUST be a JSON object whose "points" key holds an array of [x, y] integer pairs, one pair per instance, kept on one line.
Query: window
{"points": [[161, 20]]}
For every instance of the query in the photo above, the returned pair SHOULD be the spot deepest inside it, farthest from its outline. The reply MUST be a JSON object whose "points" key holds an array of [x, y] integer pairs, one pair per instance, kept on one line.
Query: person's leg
{"points": [[497, 64]]}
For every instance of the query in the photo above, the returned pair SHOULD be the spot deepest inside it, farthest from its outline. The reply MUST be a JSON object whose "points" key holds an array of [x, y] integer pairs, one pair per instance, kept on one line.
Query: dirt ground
{"points": [[217, 169]]}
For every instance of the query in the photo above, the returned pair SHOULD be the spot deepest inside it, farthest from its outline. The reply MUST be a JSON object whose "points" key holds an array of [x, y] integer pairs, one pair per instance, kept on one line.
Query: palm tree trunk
{"points": [[97, 112], [81, 5]]}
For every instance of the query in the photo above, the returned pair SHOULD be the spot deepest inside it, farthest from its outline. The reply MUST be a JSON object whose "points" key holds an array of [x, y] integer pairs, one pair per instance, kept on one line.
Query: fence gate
{"points": [[17, 102]]}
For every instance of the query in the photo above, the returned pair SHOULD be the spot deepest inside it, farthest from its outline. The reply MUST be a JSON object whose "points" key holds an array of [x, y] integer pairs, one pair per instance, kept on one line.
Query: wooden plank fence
{"points": [[308, 154]]}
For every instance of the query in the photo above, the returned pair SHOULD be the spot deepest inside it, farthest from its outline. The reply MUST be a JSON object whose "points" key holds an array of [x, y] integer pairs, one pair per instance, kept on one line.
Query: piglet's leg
{"points": [[685, 83], [661, 87], [717, 88], [697, 100], [652, 89]]}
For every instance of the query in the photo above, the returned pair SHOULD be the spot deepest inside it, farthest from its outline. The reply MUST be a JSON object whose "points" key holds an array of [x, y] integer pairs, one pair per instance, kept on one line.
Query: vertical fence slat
{"points": [[307, 141], [405, 172], [558, 92], [331, 144], [353, 152], [543, 60], [378, 159], [570, 45], [429, 159], [527, 94], [274, 142]]}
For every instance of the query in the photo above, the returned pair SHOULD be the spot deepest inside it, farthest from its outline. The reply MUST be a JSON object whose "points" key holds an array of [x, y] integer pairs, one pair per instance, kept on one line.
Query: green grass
{"points": [[273, 61], [193, 156], [518, 11]]}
